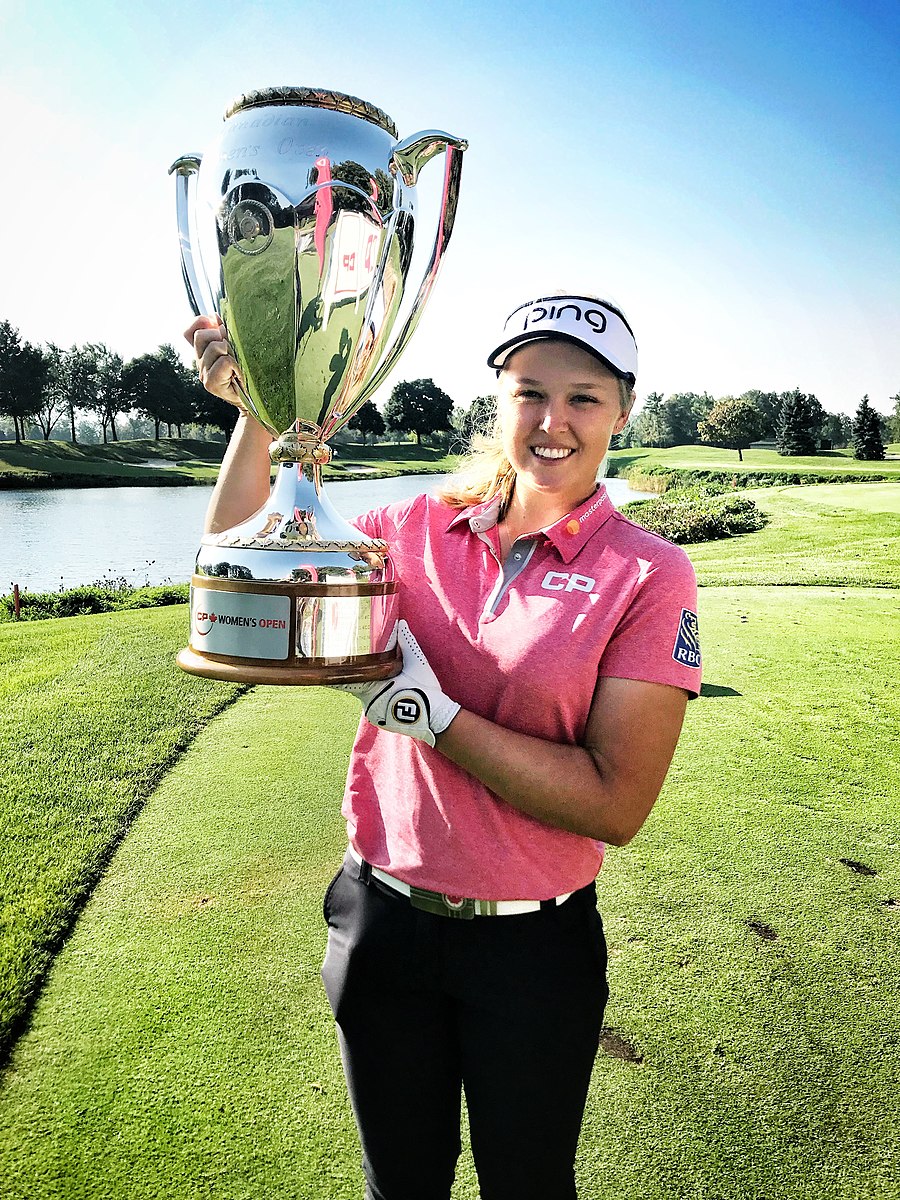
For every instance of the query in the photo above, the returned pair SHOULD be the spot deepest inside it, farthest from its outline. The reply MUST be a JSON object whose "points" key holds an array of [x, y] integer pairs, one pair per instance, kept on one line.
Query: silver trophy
{"points": [[297, 228]]}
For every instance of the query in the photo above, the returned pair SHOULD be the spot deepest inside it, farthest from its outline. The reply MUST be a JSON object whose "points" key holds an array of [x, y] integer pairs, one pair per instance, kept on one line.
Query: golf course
{"points": [[166, 842]]}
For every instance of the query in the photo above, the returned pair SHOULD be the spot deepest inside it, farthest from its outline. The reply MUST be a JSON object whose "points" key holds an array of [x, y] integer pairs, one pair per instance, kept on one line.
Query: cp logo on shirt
{"points": [[560, 581]]}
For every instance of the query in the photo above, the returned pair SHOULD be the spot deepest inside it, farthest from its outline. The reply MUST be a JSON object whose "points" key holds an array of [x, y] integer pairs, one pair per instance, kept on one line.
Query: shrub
{"points": [[646, 477], [99, 597], [158, 597], [696, 514]]}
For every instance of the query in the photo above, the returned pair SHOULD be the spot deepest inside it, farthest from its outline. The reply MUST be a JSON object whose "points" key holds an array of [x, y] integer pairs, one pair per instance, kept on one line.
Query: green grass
{"points": [[770, 1064], [92, 712], [391, 458], [710, 458], [817, 534], [183, 1045]]}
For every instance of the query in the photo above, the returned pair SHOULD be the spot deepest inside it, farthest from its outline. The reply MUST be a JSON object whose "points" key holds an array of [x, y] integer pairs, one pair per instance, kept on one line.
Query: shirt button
{"points": [[517, 556]]}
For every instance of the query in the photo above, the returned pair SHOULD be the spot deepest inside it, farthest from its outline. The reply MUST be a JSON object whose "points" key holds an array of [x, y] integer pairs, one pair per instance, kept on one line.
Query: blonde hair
{"points": [[485, 471]]}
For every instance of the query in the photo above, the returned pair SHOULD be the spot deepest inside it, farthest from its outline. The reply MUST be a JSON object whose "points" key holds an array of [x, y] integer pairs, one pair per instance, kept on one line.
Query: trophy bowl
{"points": [[297, 229]]}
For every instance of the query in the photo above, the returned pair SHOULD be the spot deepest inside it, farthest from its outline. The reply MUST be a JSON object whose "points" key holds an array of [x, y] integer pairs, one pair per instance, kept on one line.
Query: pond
{"points": [[54, 538]]}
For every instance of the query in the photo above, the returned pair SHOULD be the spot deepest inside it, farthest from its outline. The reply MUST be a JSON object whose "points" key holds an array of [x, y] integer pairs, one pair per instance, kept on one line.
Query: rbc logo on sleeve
{"points": [[687, 644]]}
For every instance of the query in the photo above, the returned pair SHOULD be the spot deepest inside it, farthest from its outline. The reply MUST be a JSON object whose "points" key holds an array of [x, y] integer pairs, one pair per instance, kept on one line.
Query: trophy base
{"points": [[294, 595], [362, 669], [294, 634]]}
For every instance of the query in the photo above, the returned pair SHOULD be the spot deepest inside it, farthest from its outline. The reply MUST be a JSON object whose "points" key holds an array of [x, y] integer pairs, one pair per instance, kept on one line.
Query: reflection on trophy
{"points": [[297, 228]]}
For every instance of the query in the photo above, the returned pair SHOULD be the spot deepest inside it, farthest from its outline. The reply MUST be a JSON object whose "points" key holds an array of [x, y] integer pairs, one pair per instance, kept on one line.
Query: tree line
{"points": [[794, 422], [48, 388]]}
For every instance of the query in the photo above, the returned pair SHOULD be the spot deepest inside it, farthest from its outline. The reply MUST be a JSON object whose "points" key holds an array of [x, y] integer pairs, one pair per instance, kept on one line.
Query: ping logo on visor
{"points": [[572, 310], [687, 643], [596, 325]]}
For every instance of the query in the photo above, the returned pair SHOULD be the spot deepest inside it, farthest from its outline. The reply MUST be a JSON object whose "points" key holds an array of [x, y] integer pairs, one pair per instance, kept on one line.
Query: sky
{"points": [[725, 171]]}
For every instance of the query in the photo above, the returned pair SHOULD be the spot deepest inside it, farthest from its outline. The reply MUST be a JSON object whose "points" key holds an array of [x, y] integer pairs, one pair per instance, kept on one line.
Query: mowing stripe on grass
{"points": [[183, 1045], [184, 1032], [92, 712]]}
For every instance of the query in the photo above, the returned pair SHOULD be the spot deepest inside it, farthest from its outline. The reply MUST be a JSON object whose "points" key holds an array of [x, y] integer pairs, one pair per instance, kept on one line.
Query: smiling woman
{"points": [[540, 699], [558, 408]]}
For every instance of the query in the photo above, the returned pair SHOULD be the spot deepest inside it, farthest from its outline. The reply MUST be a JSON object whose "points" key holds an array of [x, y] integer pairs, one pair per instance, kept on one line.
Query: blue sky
{"points": [[726, 171]]}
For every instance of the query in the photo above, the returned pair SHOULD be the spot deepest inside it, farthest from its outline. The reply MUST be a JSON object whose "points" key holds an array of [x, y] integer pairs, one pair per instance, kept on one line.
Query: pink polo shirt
{"points": [[521, 644]]}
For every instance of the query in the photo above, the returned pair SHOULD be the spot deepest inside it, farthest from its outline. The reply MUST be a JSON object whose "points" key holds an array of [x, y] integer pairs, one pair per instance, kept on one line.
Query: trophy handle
{"points": [[186, 168], [409, 157]]}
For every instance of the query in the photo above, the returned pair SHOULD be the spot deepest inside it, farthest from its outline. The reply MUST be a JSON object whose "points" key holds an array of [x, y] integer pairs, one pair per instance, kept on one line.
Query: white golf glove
{"points": [[412, 702]]}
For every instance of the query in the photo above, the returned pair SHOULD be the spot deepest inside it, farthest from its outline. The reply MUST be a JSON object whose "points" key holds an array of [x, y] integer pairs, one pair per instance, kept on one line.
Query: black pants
{"points": [[509, 1008]]}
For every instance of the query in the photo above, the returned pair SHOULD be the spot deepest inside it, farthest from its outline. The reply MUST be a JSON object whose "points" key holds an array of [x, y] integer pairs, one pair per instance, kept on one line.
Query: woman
{"points": [[534, 719]]}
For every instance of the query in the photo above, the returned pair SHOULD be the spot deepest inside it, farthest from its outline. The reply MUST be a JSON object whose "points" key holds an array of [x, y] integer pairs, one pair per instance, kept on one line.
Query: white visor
{"points": [[596, 325]]}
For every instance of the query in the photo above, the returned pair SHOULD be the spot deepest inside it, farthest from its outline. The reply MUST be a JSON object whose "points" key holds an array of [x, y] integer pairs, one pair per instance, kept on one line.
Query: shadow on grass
{"points": [[710, 690]]}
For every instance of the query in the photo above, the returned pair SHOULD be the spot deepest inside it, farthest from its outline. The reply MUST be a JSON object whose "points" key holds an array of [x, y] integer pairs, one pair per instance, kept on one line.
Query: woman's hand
{"points": [[411, 702], [243, 484], [216, 365]]}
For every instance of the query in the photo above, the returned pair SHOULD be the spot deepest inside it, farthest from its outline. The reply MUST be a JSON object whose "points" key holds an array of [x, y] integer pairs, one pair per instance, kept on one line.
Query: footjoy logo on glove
{"points": [[405, 710]]}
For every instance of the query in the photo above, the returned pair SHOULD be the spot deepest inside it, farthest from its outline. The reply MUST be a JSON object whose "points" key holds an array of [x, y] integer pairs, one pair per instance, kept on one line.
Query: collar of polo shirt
{"points": [[568, 534]]}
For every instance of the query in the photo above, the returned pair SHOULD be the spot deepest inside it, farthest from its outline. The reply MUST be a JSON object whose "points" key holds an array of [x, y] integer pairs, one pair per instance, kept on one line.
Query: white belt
{"points": [[455, 906]]}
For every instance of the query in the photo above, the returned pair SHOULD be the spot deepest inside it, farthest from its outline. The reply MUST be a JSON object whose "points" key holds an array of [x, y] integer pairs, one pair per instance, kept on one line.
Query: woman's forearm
{"points": [[602, 789], [243, 484]]}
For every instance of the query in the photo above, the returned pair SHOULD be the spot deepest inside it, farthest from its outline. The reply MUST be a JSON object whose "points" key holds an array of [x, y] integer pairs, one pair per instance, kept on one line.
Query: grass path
{"points": [[183, 1046]]}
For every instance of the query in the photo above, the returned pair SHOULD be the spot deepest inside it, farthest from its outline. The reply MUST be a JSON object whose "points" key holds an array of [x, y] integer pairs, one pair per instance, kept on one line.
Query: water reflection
{"points": [[66, 537]]}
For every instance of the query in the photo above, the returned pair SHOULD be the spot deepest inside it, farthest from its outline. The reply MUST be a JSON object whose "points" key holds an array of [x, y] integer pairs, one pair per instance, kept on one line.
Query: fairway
{"points": [[700, 457], [868, 497], [183, 1046], [835, 534]]}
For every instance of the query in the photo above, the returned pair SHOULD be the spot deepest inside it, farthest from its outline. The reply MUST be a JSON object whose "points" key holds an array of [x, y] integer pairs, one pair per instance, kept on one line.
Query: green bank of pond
{"points": [[185, 462]]}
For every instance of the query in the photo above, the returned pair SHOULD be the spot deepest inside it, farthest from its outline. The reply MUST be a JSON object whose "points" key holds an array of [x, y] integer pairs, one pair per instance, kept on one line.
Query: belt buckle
{"points": [[441, 904]]}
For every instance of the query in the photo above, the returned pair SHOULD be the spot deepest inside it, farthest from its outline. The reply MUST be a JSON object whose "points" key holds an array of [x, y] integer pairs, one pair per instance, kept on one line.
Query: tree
{"points": [[149, 383], [72, 378], [895, 419], [367, 420], [837, 430], [732, 423], [650, 427], [769, 407], [419, 407], [867, 443], [479, 417], [107, 396], [55, 401], [24, 371], [799, 424], [681, 415], [161, 387]]}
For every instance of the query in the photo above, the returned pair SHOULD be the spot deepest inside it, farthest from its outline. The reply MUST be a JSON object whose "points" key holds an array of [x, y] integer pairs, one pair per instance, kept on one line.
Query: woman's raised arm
{"points": [[243, 484]]}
